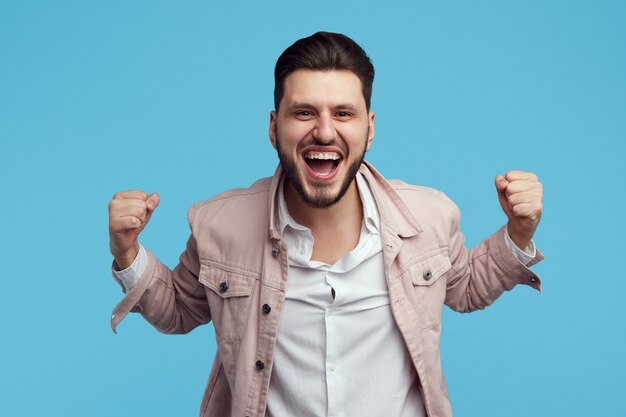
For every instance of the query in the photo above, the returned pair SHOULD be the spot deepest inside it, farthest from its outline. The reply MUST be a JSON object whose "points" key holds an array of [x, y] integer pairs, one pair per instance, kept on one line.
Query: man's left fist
{"points": [[520, 194]]}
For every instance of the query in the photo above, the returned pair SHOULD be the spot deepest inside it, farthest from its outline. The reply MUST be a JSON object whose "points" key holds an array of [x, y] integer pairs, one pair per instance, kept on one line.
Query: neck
{"points": [[346, 210], [336, 229]]}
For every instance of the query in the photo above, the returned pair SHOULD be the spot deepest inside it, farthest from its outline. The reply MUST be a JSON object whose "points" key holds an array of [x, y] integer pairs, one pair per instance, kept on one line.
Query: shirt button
{"points": [[259, 365], [266, 308], [223, 286], [332, 368], [427, 275], [275, 251], [330, 312]]}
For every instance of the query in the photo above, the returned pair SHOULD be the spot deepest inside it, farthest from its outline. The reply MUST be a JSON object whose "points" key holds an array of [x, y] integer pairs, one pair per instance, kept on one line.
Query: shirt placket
{"points": [[334, 386]]}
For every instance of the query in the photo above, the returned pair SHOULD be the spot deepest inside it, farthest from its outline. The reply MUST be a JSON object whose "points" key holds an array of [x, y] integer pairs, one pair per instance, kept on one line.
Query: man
{"points": [[326, 282]]}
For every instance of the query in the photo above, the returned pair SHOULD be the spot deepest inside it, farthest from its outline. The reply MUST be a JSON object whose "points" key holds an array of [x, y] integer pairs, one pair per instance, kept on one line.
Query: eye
{"points": [[303, 114], [343, 114]]}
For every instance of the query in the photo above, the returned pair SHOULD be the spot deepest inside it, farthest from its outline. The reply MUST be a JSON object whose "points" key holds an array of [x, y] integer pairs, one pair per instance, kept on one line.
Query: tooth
{"points": [[322, 155]]}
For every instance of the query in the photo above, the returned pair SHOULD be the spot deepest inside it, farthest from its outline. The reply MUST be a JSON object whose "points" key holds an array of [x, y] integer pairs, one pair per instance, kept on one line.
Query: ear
{"points": [[272, 129], [370, 133]]}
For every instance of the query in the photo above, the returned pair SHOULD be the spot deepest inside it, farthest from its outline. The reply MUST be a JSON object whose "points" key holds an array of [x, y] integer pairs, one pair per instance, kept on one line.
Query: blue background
{"points": [[174, 97]]}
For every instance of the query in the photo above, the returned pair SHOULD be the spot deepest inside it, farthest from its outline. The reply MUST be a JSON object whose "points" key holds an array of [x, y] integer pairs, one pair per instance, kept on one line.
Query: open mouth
{"points": [[322, 164]]}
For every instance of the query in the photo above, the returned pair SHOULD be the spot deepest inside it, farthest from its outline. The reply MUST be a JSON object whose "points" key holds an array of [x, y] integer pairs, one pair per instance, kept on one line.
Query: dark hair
{"points": [[324, 51]]}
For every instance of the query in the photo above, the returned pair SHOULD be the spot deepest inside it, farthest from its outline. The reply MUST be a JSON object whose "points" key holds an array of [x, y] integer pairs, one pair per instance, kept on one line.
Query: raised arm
{"points": [[129, 213], [173, 301], [480, 275]]}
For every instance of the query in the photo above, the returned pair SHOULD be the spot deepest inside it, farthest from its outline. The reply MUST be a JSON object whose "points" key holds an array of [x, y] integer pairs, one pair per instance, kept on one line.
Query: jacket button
{"points": [[275, 251], [260, 365], [223, 286], [266, 308], [533, 280], [427, 275]]}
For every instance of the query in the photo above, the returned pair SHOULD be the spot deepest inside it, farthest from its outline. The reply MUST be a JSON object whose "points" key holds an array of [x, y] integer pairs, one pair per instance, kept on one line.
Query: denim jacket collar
{"points": [[394, 215]]}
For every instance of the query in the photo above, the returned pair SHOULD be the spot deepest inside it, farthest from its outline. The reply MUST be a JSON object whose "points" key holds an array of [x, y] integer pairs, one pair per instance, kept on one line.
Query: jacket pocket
{"points": [[228, 292], [426, 271], [227, 282], [428, 276]]}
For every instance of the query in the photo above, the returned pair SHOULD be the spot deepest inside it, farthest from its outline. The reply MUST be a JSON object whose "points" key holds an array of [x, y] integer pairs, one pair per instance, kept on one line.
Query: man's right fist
{"points": [[129, 212]]}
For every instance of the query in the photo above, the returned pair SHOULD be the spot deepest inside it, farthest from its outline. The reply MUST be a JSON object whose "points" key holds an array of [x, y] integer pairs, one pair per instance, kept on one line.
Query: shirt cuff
{"points": [[129, 276], [524, 256]]}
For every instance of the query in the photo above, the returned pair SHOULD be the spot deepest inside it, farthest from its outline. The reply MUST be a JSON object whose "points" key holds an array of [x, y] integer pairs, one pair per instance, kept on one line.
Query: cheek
{"points": [[291, 134], [354, 136]]}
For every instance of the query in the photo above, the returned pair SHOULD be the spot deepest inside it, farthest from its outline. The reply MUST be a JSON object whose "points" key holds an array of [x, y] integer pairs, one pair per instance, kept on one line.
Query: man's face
{"points": [[321, 133]]}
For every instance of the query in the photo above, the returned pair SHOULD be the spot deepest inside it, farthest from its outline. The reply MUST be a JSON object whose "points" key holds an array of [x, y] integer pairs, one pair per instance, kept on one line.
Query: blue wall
{"points": [[174, 97]]}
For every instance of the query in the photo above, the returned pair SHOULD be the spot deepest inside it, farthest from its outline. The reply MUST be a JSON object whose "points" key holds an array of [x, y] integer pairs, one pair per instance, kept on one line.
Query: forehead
{"points": [[323, 87]]}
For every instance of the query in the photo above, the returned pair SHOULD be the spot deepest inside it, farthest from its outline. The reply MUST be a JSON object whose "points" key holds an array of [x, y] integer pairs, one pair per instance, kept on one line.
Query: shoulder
{"points": [[427, 204], [226, 227], [419, 194], [238, 203]]}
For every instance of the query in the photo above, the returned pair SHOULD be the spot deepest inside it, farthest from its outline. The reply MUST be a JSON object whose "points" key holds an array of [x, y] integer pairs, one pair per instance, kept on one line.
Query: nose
{"points": [[324, 130]]}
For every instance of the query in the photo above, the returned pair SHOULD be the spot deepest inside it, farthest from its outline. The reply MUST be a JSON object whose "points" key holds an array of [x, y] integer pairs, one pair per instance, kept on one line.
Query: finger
{"points": [[124, 223], [514, 175], [151, 204], [121, 208], [523, 186], [153, 201], [501, 183], [531, 211], [130, 194], [523, 198]]}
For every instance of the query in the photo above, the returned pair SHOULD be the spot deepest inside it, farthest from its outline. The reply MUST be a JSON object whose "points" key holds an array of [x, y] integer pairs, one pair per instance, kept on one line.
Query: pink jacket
{"points": [[234, 272]]}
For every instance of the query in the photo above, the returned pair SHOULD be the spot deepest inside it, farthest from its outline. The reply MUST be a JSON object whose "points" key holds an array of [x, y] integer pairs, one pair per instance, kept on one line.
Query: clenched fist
{"points": [[520, 194], [129, 212]]}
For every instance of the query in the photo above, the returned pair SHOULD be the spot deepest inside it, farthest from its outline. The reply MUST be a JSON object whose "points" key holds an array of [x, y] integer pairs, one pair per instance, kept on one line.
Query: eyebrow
{"points": [[305, 105], [347, 106]]}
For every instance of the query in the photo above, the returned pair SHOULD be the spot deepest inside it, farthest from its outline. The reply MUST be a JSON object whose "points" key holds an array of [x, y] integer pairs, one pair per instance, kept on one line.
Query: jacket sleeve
{"points": [[173, 301], [480, 275]]}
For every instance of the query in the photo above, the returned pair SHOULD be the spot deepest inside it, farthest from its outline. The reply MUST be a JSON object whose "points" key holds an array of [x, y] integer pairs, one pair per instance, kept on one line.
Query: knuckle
{"points": [[138, 211], [114, 205], [132, 222], [517, 210], [130, 195]]}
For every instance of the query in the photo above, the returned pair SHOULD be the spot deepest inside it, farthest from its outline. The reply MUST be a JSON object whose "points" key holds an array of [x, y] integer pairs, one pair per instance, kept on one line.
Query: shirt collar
{"points": [[395, 217]]}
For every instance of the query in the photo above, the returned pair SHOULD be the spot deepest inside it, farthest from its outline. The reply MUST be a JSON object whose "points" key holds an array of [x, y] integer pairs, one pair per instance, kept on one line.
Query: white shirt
{"points": [[345, 356]]}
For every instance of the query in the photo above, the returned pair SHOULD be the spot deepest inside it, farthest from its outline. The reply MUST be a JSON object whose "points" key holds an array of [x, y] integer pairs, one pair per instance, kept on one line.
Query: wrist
{"points": [[521, 239], [125, 260]]}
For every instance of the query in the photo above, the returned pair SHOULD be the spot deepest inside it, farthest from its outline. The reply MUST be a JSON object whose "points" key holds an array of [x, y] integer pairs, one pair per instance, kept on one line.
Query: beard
{"points": [[318, 198]]}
